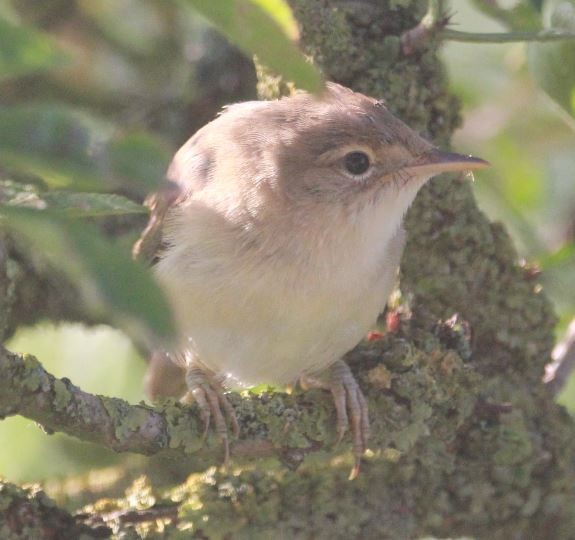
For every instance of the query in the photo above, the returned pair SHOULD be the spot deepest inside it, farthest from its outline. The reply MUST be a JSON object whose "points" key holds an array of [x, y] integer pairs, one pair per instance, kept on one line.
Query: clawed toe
{"points": [[350, 404], [352, 411], [213, 404], [351, 408]]}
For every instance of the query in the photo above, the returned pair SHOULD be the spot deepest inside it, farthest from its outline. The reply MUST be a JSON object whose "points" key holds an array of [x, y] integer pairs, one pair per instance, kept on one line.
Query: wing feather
{"points": [[190, 170]]}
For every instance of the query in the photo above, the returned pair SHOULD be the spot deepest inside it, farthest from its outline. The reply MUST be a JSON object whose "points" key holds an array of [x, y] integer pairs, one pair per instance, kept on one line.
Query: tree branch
{"points": [[173, 429], [505, 37], [29, 513], [433, 22], [272, 423]]}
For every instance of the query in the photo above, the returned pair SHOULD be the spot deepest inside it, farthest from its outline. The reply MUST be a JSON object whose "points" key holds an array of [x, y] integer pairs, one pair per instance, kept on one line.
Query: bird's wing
{"points": [[190, 170], [149, 244]]}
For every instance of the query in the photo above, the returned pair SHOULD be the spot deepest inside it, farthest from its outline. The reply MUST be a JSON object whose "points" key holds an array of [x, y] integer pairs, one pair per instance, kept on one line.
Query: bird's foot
{"points": [[350, 405], [208, 393]]}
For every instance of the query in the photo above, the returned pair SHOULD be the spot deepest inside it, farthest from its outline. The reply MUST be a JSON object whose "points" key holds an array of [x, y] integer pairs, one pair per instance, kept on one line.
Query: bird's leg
{"points": [[208, 392], [350, 405]]}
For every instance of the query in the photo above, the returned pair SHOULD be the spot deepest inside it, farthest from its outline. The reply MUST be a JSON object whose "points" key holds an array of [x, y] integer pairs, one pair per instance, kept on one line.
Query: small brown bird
{"points": [[278, 237]]}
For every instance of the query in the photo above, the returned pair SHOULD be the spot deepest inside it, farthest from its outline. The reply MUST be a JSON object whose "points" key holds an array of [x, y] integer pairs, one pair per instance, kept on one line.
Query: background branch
{"points": [[30, 290], [544, 36]]}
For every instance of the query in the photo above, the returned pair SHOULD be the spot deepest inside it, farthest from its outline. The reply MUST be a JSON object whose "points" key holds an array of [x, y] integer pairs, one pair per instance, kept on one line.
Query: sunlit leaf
{"points": [[282, 14], [267, 29], [24, 50], [112, 285], [68, 148], [553, 64], [565, 254]]}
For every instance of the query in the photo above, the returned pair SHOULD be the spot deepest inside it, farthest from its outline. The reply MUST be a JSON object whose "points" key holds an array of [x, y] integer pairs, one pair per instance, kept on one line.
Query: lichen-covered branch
{"points": [[30, 513], [27, 389], [272, 424], [442, 450]]}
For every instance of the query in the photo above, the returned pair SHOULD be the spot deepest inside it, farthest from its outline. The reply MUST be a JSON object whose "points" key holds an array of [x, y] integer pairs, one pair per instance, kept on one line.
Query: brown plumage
{"points": [[277, 238]]}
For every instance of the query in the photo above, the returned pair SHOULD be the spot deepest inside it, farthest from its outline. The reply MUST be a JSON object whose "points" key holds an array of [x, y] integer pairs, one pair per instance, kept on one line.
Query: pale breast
{"points": [[263, 324]]}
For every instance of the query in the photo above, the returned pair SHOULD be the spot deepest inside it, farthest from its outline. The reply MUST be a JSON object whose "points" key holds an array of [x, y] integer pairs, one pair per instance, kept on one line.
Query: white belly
{"points": [[280, 342], [268, 316], [270, 327]]}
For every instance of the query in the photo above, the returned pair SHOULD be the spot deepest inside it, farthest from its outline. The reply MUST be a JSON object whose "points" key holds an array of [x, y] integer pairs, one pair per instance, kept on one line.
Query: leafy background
{"points": [[95, 96]]}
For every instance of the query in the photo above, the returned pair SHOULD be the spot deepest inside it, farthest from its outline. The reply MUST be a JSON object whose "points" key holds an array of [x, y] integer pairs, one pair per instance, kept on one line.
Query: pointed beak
{"points": [[435, 162]]}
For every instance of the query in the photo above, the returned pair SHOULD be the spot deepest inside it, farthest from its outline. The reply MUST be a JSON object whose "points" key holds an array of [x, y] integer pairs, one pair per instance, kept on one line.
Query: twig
{"points": [[434, 20], [505, 37]]}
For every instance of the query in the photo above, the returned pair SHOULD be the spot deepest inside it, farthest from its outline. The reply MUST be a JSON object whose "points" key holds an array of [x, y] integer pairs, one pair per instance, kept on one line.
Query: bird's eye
{"points": [[356, 163]]}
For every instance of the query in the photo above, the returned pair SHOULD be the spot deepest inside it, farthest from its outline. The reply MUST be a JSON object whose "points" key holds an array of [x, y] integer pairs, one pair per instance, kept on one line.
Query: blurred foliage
{"points": [[553, 64], [95, 96], [23, 50], [112, 285], [530, 142], [268, 29], [99, 360], [67, 203], [67, 148], [515, 16]]}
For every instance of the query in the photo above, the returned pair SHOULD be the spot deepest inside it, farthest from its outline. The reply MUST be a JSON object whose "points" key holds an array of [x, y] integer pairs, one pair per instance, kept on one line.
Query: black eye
{"points": [[356, 163]]}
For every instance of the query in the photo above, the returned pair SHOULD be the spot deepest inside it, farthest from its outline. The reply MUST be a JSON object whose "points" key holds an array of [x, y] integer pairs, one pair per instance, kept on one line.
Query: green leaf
{"points": [[58, 144], [521, 16], [553, 64], [91, 204], [24, 50], [565, 254], [67, 203], [521, 182], [70, 149], [138, 156], [112, 285], [267, 29]]}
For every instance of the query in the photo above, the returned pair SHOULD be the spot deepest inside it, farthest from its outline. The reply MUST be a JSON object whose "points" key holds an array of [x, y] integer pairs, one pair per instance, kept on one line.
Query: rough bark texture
{"points": [[467, 441]]}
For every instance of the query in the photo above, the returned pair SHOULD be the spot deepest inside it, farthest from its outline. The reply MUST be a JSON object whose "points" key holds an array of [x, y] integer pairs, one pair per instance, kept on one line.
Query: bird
{"points": [[277, 237]]}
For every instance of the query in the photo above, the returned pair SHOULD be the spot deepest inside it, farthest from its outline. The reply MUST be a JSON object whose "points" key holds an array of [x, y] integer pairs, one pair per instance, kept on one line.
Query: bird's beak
{"points": [[435, 162]]}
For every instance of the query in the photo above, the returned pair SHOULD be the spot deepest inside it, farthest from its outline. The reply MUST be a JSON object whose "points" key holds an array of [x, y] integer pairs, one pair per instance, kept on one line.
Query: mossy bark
{"points": [[468, 442], [473, 443]]}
